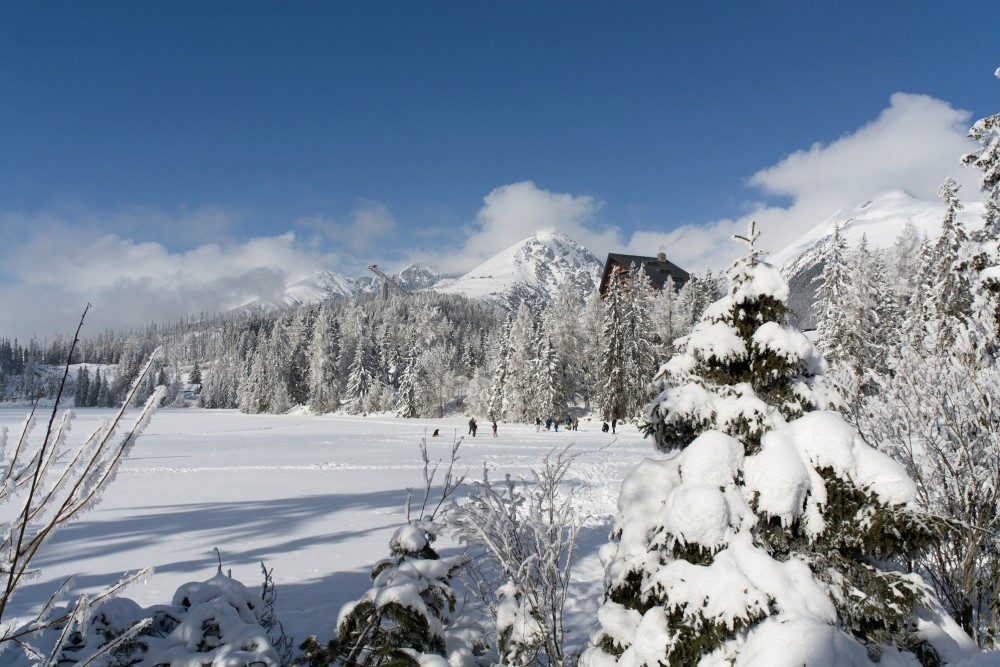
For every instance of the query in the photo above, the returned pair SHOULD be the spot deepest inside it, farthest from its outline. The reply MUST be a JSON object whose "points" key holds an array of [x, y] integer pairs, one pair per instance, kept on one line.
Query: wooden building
{"points": [[657, 268]]}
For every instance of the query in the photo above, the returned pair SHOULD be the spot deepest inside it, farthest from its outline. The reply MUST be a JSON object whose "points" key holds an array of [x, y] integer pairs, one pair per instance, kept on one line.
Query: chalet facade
{"points": [[657, 268]]}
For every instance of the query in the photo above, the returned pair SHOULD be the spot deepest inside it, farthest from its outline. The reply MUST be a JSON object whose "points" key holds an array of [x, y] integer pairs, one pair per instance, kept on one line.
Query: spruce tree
{"points": [[81, 387], [194, 377], [776, 536], [614, 365], [406, 405], [742, 368], [833, 315], [497, 401]]}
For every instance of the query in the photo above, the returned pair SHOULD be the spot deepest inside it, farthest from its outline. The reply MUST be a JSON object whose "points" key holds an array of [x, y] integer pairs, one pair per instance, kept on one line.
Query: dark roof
{"points": [[655, 268]]}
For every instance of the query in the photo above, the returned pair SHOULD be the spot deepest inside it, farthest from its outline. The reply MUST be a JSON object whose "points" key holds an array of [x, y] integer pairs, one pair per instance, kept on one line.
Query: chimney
{"points": [[661, 256]]}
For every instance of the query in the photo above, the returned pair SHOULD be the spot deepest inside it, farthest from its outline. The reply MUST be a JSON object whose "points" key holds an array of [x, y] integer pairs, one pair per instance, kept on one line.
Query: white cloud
{"points": [[514, 212], [367, 226], [46, 279], [913, 145]]}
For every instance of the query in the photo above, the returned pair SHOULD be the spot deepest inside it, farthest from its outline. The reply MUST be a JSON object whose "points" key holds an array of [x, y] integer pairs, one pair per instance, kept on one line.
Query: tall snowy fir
{"points": [[834, 320], [741, 369], [775, 535], [497, 401], [615, 381]]}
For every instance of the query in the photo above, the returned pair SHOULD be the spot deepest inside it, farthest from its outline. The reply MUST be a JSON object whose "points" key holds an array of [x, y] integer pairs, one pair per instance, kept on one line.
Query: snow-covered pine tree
{"points": [[641, 345], [615, 381], [664, 316], [862, 341], [94, 389], [950, 297], [81, 387], [742, 369], [406, 403], [194, 377], [563, 322], [359, 377], [905, 261], [323, 395], [776, 536], [497, 401], [832, 305]]}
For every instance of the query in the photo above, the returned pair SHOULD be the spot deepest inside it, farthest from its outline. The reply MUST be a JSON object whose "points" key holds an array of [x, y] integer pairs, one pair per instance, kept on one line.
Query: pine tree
{"points": [[94, 389], [615, 367], [359, 378], [406, 405], [950, 297], [832, 305], [743, 369], [194, 377], [775, 526], [640, 344], [497, 402], [322, 365], [82, 387]]}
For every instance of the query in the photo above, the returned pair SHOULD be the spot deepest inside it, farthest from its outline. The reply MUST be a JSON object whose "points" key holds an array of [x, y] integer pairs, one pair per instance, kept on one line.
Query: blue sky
{"points": [[142, 140]]}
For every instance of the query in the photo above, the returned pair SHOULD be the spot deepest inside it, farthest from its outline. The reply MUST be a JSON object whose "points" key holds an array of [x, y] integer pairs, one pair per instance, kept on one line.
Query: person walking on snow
{"points": [[475, 427], [494, 429]]}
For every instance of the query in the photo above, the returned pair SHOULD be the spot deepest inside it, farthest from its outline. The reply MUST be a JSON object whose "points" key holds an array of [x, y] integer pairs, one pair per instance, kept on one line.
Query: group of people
{"points": [[571, 424], [474, 426]]}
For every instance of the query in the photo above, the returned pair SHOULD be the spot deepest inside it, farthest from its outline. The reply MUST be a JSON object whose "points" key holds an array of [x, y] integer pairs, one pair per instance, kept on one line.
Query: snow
{"points": [[880, 220], [316, 498], [529, 269], [827, 440]]}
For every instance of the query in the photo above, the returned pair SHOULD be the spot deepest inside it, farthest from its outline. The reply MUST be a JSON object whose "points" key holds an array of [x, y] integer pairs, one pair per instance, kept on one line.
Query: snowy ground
{"points": [[314, 497]]}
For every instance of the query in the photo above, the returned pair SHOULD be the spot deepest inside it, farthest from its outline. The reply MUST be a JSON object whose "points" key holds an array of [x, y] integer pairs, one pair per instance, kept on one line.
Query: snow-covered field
{"points": [[316, 498]]}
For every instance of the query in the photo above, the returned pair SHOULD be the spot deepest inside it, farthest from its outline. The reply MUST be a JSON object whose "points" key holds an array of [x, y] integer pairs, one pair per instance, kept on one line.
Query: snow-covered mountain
{"points": [[880, 220], [530, 272]]}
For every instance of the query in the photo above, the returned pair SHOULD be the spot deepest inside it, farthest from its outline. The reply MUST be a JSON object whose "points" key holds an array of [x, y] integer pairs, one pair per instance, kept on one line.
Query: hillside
{"points": [[880, 220]]}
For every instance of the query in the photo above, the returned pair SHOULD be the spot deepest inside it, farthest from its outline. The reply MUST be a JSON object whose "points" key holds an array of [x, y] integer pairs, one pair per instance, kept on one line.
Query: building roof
{"points": [[657, 268]]}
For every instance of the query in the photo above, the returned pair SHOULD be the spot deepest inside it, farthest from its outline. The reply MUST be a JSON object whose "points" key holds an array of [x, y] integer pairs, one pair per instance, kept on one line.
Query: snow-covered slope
{"points": [[322, 285], [527, 272], [530, 272], [880, 220]]}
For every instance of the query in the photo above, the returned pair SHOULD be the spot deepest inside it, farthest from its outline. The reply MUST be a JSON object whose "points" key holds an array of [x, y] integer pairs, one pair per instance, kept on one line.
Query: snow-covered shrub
{"points": [[776, 535], [525, 536], [404, 619], [213, 623]]}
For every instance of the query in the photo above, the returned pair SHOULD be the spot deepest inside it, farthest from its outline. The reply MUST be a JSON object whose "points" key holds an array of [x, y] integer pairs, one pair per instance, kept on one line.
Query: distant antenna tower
{"points": [[383, 292]]}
